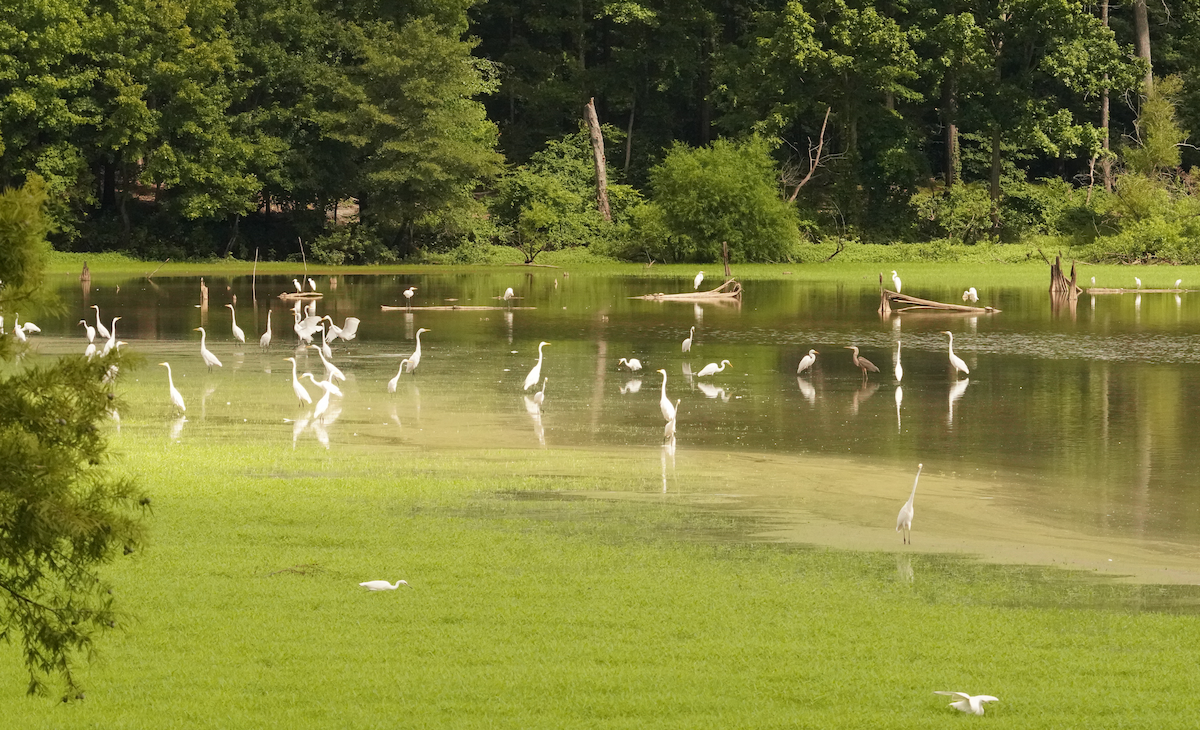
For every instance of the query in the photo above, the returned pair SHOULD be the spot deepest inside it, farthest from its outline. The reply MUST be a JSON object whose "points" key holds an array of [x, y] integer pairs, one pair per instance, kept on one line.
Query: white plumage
{"points": [[209, 358], [712, 368], [972, 704], [955, 360], [905, 518], [176, 396], [383, 585], [807, 361], [536, 373], [238, 334]]}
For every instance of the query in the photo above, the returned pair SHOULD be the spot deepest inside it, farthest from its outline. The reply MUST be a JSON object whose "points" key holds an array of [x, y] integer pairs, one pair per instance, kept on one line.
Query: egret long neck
{"points": [[913, 496]]}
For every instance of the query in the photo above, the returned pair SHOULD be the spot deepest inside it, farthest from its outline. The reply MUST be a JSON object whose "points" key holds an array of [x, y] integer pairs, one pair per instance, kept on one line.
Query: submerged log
{"points": [[448, 308], [1104, 290], [731, 289], [889, 300], [293, 295]]}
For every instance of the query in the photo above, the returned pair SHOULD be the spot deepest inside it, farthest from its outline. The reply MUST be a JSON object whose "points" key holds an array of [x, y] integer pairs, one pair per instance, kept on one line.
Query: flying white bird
{"points": [[209, 358], [350, 328], [536, 374], [632, 363], [238, 334], [955, 360], [696, 282], [896, 280], [687, 344], [712, 368], [968, 703], [807, 361], [297, 387], [176, 397], [664, 403], [383, 585], [904, 519]]}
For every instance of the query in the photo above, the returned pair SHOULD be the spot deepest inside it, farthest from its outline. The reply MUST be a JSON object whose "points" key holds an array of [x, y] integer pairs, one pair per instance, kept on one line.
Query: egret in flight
{"points": [[712, 368], [536, 374], [238, 334], [383, 585], [265, 341], [687, 344], [415, 359], [176, 397], [904, 519], [861, 363], [807, 361], [969, 703], [664, 403], [297, 386], [955, 360], [696, 282], [349, 328], [632, 363], [896, 280], [209, 358]]}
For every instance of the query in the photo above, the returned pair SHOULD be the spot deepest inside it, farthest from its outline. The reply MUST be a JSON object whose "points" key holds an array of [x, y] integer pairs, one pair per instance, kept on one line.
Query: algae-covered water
{"points": [[1069, 443]]}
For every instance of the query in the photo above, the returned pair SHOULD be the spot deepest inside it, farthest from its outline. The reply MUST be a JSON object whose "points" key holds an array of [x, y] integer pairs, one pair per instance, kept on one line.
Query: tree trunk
{"points": [[589, 113], [629, 136], [1105, 162], [1141, 25], [950, 121], [994, 190], [237, 219], [108, 195]]}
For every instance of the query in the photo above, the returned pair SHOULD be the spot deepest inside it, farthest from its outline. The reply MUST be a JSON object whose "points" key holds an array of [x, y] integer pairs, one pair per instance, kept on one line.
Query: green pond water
{"points": [[1070, 443]]}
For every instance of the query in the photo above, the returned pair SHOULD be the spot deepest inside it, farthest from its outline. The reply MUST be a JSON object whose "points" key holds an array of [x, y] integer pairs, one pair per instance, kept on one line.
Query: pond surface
{"points": [[1070, 442]]}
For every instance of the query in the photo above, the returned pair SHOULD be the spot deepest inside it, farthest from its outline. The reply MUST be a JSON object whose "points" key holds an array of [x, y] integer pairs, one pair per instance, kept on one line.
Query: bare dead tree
{"points": [[816, 158]]}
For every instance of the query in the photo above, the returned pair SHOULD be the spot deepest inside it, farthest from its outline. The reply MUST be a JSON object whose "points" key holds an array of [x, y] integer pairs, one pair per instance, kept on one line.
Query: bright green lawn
{"points": [[569, 613]]}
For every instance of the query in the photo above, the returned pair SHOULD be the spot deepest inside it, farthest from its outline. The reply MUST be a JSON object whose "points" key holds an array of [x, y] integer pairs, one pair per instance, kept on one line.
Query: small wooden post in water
{"points": [[725, 257]]}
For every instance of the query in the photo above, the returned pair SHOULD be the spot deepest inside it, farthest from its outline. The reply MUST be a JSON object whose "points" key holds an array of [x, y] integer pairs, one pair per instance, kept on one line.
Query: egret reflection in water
{"points": [[711, 391], [698, 311], [807, 390], [899, 400], [956, 391], [632, 386], [177, 427], [667, 454]]}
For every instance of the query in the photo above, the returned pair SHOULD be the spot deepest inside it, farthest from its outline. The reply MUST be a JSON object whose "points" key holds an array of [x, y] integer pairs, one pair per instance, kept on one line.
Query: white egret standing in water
{"points": [[176, 397], [508, 294], [905, 518], [100, 325], [807, 361], [383, 585], [664, 403], [1178, 282], [209, 358], [896, 280], [265, 341], [89, 330], [972, 704], [712, 368], [297, 386], [238, 334], [415, 359], [696, 282], [331, 370], [687, 344], [392, 383], [540, 397], [955, 360], [536, 374], [632, 363]]}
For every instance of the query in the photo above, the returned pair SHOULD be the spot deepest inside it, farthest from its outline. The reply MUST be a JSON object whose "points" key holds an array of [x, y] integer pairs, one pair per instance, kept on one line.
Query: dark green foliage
{"points": [[62, 513], [726, 192]]}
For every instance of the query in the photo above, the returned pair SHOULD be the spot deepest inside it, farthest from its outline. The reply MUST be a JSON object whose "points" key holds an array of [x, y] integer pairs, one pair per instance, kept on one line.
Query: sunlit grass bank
{"points": [[529, 611]]}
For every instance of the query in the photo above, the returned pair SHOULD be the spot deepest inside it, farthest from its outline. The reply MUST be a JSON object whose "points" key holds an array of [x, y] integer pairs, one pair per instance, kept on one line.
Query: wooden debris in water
{"points": [[731, 289], [888, 300]]}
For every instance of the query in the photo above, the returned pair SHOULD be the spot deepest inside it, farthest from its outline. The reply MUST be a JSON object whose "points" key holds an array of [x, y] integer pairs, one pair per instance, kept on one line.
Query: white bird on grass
{"points": [[383, 585], [905, 518], [393, 381], [265, 341], [687, 344], [969, 703], [89, 330], [955, 360], [415, 359], [632, 363], [176, 397], [90, 351], [712, 368], [896, 281], [238, 334], [807, 361], [297, 387], [696, 282], [664, 403], [209, 358], [536, 373]]}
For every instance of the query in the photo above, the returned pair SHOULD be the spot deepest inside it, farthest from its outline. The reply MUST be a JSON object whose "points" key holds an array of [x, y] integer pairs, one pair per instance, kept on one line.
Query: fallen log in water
{"points": [[1103, 290], [293, 295], [731, 289], [888, 300], [448, 308]]}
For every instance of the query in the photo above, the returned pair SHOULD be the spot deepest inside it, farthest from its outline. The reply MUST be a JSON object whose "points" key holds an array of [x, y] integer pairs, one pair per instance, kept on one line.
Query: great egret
{"points": [[30, 327], [1093, 281], [904, 519], [969, 703], [312, 284], [331, 370], [350, 328], [326, 350], [209, 358], [19, 333], [687, 344], [699, 278], [100, 328], [393, 381], [899, 367], [1178, 282], [508, 294], [807, 361], [712, 368], [861, 363], [90, 351], [896, 280], [265, 341], [383, 585], [238, 334], [415, 359], [299, 287], [332, 331], [408, 295], [536, 374], [297, 387], [632, 363], [323, 404], [970, 295], [176, 397], [955, 360], [111, 342], [89, 330], [540, 396], [664, 403], [1139, 282]]}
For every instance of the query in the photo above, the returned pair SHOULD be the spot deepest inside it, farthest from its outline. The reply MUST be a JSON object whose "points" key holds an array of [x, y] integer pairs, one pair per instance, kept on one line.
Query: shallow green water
{"points": [[1073, 419]]}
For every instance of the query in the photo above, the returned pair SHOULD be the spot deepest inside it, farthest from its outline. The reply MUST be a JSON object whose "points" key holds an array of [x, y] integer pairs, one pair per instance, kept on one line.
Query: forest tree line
{"points": [[367, 131]]}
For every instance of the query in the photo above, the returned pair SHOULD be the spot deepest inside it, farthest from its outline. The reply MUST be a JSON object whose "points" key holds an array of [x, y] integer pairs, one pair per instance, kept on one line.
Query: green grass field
{"points": [[533, 611]]}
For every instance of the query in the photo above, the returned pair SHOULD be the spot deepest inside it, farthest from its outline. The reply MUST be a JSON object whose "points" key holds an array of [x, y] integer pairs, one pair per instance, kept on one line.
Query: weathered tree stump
{"points": [[1060, 284]]}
